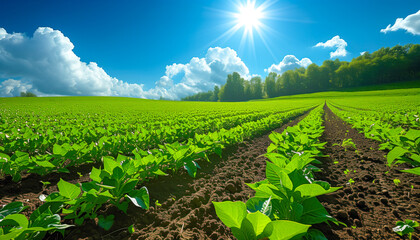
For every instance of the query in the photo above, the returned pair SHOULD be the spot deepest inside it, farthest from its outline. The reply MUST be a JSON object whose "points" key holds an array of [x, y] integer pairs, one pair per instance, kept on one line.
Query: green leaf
{"points": [[95, 175], [315, 234], [45, 164], [59, 150], [267, 191], [106, 186], [128, 186], [263, 205], [284, 230], [140, 198], [18, 220], [299, 162], [314, 212], [16, 234], [246, 232], [131, 229], [394, 154], [412, 134], [413, 170], [304, 139], [68, 190], [160, 173], [191, 168], [11, 208], [231, 213], [106, 222], [259, 221], [46, 219], [87, 186], [180, 154], [406, 227], [118, 173], [313, 190], [110, 164], [278, 176], [415, 157], [278, 159]]}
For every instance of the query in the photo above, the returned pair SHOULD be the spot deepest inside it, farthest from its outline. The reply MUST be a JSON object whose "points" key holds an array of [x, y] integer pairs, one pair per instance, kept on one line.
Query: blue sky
{"points": [[134, 41]]}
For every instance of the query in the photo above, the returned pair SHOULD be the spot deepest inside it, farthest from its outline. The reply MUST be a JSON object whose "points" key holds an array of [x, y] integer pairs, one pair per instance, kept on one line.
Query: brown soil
{"points": [[373, 203], [28, 189], [186, 209]]}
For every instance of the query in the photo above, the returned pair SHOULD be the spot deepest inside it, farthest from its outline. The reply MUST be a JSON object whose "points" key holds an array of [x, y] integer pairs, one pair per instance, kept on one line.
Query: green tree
{"points": [[270, 85], [233, 90], [215, 96], [28, 94], [256, 88]]}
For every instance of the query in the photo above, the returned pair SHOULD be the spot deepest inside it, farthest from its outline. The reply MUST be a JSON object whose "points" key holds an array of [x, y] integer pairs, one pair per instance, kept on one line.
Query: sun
{"points": [[252, 19], [249, 16]]}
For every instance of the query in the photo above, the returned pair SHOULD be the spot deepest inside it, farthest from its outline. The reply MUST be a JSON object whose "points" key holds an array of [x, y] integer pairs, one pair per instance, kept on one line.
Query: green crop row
{"points": [[285, 204], [66, 155], [403, 144], [141, 136], [396, 115], [116, 183]]}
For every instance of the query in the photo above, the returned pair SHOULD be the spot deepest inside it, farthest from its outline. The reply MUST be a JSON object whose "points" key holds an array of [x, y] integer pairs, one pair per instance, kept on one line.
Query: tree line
{"points": [[386, 65]]}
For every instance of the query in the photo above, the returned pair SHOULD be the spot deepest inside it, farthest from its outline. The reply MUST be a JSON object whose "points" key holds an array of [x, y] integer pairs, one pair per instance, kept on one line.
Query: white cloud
{"points": [[46, 64], [289, 62], [335, 42], [362, 53], [12, 87], [200, 74], [411, 24]]}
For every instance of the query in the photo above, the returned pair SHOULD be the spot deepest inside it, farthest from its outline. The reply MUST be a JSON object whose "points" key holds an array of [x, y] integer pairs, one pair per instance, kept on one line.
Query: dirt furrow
{"points": [[370, 202], [185, 209]]}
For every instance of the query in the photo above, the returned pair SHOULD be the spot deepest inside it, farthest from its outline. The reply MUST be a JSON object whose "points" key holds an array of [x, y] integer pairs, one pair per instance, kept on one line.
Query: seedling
{"points": [[346, 171], [157, 203], [405, 228], [336, 162], [351, 181], [348, 144], [397, 181], [131, 229], [44, 185]]}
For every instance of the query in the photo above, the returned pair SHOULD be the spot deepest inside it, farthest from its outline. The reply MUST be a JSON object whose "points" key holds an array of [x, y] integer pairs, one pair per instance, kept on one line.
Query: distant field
{"points": [[395, 89]]}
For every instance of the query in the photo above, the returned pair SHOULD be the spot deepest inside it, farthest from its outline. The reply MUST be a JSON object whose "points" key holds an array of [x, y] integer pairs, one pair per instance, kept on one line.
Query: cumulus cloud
{"points": [[335, 42], [289, 62], [200, 74], [363, 53], [45, 63], [411, 24], [12, 87]]}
